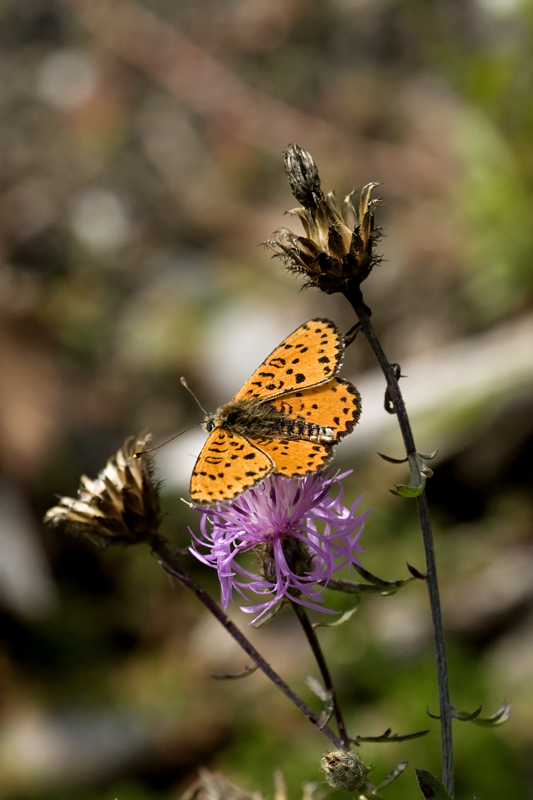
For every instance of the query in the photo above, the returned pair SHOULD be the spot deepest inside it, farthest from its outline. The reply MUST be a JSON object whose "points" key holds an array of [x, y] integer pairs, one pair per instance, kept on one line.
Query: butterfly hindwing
{"points": [[296, 457], [309, 356], [335, 404], [227, 465]]}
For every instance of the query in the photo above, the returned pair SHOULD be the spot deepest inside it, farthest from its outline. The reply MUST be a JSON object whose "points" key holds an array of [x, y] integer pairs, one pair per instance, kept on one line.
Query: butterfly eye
{"points": [[209, 425]]}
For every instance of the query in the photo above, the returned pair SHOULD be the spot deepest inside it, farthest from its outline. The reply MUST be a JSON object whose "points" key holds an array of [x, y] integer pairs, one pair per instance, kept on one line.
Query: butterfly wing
{"points": [[227, 465], [295, 458], [335, 404], [309, 356]]}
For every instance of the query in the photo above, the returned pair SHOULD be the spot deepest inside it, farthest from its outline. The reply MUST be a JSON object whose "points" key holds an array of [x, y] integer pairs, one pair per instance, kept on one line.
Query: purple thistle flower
{"points": [[279, 519]]}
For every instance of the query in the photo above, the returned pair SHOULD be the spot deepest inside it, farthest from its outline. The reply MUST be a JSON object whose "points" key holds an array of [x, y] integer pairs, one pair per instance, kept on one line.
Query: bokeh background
{"points": [[140, 171]]}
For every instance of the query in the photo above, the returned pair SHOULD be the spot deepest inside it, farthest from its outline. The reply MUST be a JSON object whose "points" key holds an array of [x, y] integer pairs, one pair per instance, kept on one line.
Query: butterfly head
{"points": [[209, 423], [234, 415]]}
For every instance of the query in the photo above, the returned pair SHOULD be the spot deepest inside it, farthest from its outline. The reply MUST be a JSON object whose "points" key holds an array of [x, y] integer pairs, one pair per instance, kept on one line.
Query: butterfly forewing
{"points": [[309, 356], [227, 465], [335, 404], [296, 457]]}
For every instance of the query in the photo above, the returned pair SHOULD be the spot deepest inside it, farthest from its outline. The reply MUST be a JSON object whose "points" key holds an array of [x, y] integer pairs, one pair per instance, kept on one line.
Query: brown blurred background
{"points": [[140, 170]]}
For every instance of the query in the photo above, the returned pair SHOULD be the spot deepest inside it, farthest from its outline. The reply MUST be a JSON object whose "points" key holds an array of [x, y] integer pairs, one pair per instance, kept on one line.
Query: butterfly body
{"points": [[284, 420], [254, 419]]}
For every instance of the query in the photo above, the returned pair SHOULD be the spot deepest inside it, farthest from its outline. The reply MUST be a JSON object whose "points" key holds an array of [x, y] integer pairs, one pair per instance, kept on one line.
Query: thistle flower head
{"points": [[338, 249], [344, 770], [300, 534], [121, 506]]}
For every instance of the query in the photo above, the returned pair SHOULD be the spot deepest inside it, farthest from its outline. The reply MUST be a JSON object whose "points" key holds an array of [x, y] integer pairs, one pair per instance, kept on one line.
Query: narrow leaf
{"points": [[465, 716], [325, 714], [388, 737], [342, 619], [393, 774], [371, 578], [499, 718], [429, 456], [268, 616], [415, 573], [392, 460], [376, 586], [247, 671], [396, 587], [316, 687]]}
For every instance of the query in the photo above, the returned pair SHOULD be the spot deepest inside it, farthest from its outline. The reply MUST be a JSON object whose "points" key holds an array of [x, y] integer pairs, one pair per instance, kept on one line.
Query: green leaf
{"points": [[418, 472], [406, 490], [430, 786]]}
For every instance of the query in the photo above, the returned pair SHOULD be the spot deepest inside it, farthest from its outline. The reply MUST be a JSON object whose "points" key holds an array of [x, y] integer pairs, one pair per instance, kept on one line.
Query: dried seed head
{"points": [[344, 770], [337, 250], [120, 507]]}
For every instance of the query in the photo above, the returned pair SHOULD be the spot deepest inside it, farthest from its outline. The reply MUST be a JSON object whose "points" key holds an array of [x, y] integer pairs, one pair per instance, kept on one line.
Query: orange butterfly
{"points": [[284, 420]]}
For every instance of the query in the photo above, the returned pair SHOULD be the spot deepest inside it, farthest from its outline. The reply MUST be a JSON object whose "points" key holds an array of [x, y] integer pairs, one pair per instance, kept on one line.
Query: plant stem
{"points": [[314, 644], [362, 312], [176, 568], [440, 645]]}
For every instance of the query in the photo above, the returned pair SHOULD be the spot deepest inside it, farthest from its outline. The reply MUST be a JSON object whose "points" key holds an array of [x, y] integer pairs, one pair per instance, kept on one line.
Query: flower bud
{"points": [[344, 770]]}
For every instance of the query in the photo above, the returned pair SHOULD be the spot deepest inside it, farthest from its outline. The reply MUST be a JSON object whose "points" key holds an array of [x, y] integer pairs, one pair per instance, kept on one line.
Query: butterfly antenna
{"points": [[184, 383], [144, 452]]}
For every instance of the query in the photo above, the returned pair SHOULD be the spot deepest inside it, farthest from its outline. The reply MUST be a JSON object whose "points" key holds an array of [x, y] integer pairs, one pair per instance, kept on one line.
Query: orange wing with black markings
{"points": [[295, 458], [248, 440], [227, 465], [335, 404], [309, 356]]}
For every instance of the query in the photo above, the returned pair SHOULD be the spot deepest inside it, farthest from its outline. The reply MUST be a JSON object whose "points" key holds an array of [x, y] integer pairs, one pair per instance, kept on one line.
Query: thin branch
{"points": [[314, 644], [176, 568]]}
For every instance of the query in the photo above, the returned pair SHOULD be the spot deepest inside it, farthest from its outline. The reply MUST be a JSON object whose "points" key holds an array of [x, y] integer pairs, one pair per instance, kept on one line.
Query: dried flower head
{"points": [[336, 253], [278, 520], [120, 507], [344, 770]]}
